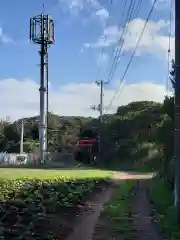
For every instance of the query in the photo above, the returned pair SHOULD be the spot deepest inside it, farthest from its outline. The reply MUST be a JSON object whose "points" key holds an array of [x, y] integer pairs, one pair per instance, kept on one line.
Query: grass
{"points": [[162, 198], [116, 221], [16, 173]]}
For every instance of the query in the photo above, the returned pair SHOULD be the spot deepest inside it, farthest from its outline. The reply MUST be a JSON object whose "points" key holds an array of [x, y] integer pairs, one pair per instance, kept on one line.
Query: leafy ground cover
{"points": [[40, 208], [163, 208], [115, 222]]}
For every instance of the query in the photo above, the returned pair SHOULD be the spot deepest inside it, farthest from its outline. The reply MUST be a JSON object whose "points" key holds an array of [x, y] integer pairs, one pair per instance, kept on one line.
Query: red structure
{"points": [[87, 147]]}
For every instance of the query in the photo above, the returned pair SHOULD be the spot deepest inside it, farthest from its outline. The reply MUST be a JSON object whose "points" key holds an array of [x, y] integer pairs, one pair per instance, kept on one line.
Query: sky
{"points": [[83, 30]]}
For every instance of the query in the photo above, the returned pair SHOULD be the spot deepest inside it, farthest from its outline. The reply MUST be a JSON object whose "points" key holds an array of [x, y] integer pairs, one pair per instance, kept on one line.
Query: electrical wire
{"points": [[114, 55], [113, 52], [138, 6], [132, 56], [133, 11]]}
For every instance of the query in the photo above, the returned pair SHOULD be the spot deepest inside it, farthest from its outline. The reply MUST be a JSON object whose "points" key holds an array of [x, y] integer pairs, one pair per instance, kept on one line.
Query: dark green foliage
{"points": [[32, 209], [35, 133], [62, 133], [136, 107], [165, 133], [130, 135]]}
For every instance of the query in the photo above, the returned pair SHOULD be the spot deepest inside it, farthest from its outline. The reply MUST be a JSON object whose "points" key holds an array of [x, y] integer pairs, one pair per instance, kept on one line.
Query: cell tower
{"points": [[42, 33]]}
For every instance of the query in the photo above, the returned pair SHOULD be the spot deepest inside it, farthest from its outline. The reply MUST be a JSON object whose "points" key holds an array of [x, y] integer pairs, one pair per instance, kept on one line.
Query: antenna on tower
{"points": [[42, 33]]}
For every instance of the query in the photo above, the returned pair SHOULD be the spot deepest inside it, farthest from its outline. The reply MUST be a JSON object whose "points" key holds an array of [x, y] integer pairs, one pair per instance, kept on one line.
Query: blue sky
{"points": [[74, 59]]}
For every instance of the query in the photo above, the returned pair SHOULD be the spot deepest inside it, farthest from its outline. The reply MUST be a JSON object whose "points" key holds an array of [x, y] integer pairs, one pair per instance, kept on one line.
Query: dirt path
{"points": [[146, 229], [87, 220]]}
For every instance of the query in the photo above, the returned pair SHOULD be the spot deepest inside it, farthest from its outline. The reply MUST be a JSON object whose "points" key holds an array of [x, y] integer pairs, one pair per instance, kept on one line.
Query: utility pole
{"points": [[177, 110], [42, 33], [22, 137], [101, 84], [99, 108]]}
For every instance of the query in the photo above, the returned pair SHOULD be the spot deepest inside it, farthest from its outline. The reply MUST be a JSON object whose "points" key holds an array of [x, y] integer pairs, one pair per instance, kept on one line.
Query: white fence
{"points": [[17, 159], [33, 158]]}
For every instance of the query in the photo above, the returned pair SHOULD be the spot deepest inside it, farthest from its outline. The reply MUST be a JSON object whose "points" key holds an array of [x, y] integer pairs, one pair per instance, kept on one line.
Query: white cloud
{"points": [[103, 15], [92, 8], [21, 98], [74, 6], [4, 38], [154, 40], [109, 37], [80, 5], [94, 3]]}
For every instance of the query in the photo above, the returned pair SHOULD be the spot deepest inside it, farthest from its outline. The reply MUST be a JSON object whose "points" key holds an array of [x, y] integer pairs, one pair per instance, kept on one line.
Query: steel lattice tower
{"points": [[42, 33]]}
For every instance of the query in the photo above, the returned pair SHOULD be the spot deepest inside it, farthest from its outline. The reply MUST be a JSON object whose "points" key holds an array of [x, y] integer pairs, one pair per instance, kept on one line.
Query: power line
{"points": [[138, 6], [133, 54], [157, 19], [124, 7], [114, 54], [133, 8]]}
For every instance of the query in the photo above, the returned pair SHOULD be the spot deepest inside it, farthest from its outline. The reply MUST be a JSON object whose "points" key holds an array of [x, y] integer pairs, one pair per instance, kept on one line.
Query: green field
{"points": [[38, 202], [16, 173]]}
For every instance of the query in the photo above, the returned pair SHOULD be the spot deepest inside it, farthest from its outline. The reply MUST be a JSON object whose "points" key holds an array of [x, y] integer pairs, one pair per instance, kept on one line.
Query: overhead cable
{"points": [[132, 12], [133, 54]]}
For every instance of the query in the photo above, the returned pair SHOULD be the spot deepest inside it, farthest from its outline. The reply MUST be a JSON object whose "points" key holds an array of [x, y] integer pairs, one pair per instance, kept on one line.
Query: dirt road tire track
{"points": [[88, 219], [141, 215]]}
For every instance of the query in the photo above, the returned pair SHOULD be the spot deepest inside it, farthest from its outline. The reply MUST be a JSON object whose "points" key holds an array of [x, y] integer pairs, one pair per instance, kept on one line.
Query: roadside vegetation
{"points": [[163, 209], [41, 206], [162, 186]]}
